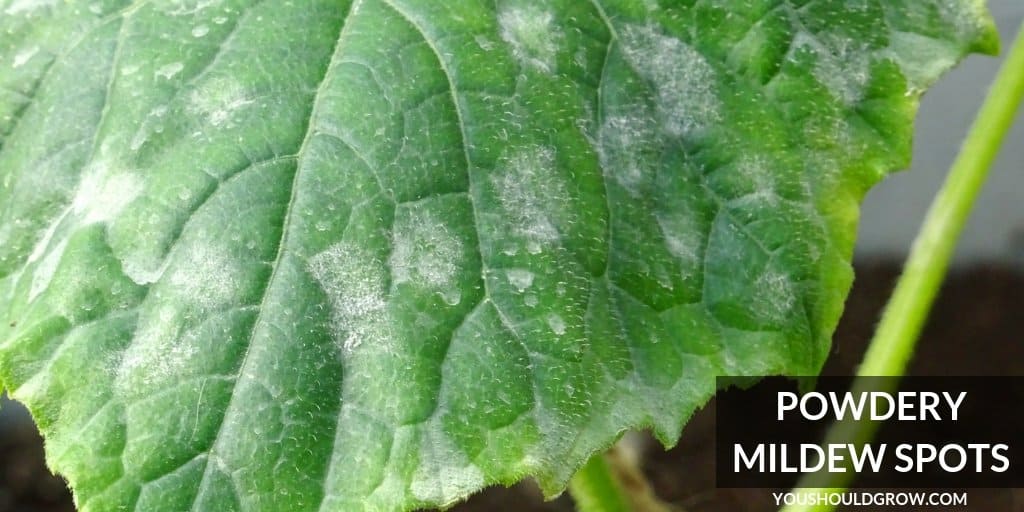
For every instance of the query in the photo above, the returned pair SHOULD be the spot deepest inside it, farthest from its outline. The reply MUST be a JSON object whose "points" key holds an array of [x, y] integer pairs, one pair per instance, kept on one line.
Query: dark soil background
{"points": [[975, 329]]}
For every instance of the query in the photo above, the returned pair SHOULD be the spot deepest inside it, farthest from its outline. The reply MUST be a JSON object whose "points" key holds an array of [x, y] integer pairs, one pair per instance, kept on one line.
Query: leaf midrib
{"points": [[281, 248]]}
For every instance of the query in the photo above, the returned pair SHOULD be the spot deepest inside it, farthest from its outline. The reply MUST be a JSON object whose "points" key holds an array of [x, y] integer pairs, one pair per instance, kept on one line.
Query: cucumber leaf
{"points": [[378, 254]]}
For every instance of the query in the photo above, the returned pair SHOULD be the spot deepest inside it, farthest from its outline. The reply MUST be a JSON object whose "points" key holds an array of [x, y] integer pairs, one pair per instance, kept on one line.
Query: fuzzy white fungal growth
{"points": [[921, 58], [842, 64], [142, 268], [104, 192], [354, 282], [208, 275], [24, 56], [426, 253], [683, 238], [170, 70], [43, 273], [532, 194], [219, 99], [775, 296], [157, 352], [24, 6], [520, 278], [444, 473], [557, 324], [532, 34], [682, 78], [623, 140]]}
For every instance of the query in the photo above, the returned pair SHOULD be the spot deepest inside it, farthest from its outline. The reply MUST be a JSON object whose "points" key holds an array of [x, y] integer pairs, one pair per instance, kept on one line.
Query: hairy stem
{"points": [[622, 470], [595, 490], [907, 310]]}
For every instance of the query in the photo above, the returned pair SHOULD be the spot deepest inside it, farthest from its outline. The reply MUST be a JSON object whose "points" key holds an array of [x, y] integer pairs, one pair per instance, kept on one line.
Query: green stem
{"points": [[908, 308], [595, 489]]}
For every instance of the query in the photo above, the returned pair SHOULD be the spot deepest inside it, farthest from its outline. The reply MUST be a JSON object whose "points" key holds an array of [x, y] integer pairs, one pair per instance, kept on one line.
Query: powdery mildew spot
{"points": [[966, 17], [519, 278], [621, 151], [200, 31], [151, 123], [532, 34], [682, 78], [41, 247], [43, 273], [531, 193], [170, 70], [24, 56], [23, 6], [557, 324], [759, 172], [775, 296], [683, 238], [484, 43], [157, 352], [842, 65], [355, 284], [207, 275], [188, 7], [445, 473], [143, 270], [219, 99], [922, 59], [104, 192], [426, 253]]}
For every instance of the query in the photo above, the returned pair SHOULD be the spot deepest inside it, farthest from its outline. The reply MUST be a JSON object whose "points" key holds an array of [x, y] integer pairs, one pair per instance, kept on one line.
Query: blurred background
{"points": [[975, 328]]}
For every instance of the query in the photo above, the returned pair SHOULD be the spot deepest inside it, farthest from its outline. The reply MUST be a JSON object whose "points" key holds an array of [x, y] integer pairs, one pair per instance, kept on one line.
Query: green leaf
{"points": [[329, 256]]}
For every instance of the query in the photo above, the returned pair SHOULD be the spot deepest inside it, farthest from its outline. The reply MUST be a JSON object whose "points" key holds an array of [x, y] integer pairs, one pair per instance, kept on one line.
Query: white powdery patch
{"points": [[24, 56], [426, 253], [23, 6], [758, 170], [207, 275], [219, 99], [557, 324], [188, 7], [43, 273], [623, 138], [104, 192], [843, 64], [354, 282], [968, 18], [532, 34], [143, 270], [168, 71], [531, 192], [152, 123], [44, 242], [200, 30], [484, 43], [445, 473], [922, 59], [775, 296], [157, 353], [683, 237], [519, 278], [682, 78], [146, 263]]}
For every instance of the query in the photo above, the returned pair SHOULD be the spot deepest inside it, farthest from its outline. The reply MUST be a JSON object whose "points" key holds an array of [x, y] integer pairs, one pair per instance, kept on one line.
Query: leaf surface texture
{"points": [[330, 255]]}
